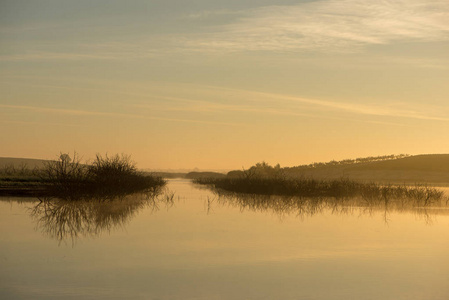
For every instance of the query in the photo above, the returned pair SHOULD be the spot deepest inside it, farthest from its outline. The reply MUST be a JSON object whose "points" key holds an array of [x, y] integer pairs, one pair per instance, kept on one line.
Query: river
{"points": [[192, 244]]}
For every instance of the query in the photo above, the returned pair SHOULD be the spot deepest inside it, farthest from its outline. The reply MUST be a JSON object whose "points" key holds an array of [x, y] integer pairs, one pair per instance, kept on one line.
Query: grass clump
{"points": [[105, 176], [263, 179], [118, 174], [284, 186]]}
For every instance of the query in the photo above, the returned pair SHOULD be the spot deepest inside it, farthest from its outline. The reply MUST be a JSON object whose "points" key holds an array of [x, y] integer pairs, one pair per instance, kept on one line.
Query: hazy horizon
{"points": [[224, 85]]}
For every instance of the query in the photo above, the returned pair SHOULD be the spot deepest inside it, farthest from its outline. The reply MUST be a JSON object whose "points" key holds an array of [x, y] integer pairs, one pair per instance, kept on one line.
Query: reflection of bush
{"points": [[62, 219], [116, 175]]}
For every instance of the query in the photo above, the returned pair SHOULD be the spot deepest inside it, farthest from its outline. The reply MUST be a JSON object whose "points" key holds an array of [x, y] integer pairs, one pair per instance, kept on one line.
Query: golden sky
{"points": [[224, 84]]}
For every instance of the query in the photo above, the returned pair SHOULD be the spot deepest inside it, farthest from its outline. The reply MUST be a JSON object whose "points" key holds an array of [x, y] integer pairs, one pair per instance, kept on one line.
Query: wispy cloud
{"points": [[115, 52], [326, 26], [54, 56], [206, 14], [403, 111], [252, 102], [65, 111], [193, 104], [41, 123], [75, 112], [343, 25], [197, 106]]}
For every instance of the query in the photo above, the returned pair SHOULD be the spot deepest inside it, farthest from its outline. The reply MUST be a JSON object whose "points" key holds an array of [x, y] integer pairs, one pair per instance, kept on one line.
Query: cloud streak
{"points": [[343, 25], [115, 52], [252, 102], [360, 109], [74, 112], [236, 101]]}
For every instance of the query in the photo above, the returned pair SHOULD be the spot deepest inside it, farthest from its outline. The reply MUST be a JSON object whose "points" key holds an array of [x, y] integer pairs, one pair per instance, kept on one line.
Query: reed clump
{"points": [[314, 188], [119, 175]]}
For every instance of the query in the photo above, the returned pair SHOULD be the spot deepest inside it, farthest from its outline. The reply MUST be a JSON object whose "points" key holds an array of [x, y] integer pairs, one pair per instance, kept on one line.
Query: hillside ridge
{"points": [[17, 162]]}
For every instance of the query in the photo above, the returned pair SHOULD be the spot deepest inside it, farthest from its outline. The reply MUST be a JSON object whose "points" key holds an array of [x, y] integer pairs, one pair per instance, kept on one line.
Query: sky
{"points": [[208, 84]]}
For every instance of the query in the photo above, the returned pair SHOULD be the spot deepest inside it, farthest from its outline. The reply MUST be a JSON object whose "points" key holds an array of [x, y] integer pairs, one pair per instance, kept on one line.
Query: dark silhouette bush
{"points": [[106, 176]]}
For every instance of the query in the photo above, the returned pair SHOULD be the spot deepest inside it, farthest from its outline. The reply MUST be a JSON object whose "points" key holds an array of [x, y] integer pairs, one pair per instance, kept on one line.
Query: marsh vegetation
{"points": [[312, 188], [263, 179], [68, 178]]}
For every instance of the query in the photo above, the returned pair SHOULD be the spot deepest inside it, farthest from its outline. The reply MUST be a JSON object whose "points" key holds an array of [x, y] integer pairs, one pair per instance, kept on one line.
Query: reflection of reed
{"points": [[314, 188], [307, 207], [62, 219]]}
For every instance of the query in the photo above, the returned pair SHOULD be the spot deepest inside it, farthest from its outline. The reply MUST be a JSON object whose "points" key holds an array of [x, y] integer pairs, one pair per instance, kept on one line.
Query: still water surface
{"points": [[190, 244]]}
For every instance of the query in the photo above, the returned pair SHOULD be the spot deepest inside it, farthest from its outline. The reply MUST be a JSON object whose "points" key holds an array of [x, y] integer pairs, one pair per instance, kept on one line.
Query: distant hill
{"points": [[425, 163], [167, 174], [196, 175], [425, 169], [419, 169], [20, 162]]}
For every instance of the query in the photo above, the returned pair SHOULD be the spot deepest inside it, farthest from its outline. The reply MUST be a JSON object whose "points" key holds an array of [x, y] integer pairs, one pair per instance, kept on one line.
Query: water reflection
{"points": [[302, 207], [63, 220], [68, 220]]}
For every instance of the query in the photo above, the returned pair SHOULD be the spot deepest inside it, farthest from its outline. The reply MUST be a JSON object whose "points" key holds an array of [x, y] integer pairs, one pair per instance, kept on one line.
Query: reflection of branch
{"points": [[62, 219], [208, 205], [169, 200]]}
